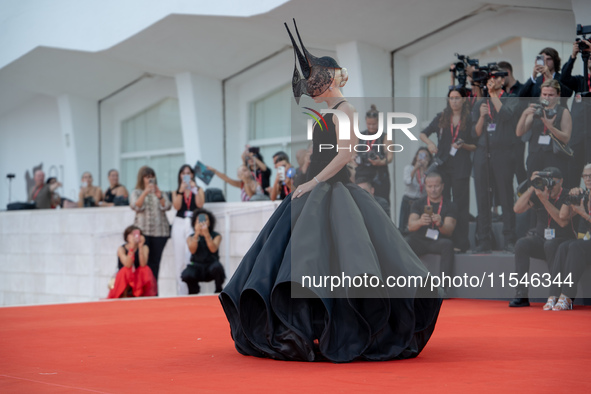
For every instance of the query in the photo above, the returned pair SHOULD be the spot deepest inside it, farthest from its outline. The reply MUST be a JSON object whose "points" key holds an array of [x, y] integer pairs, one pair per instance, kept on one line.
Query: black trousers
{"points": [[202, 272], [519, 153], [502, 168], [443, 247], [577, 261], [156, 245], [575, 166], [458, 191], [537, 247]]}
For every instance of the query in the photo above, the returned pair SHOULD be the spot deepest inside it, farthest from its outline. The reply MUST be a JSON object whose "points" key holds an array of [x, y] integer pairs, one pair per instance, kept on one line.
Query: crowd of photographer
{"points": [[493, 115]]}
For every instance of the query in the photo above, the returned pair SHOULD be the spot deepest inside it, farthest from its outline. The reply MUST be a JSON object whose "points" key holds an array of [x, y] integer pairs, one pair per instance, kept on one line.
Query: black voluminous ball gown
{"points": [[336, 228]]}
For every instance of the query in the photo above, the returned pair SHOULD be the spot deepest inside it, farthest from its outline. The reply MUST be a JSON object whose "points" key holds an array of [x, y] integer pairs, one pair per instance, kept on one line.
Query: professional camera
{"points": [[460, 68], [484, 73], [363, 158], [543, 180], [583, 31], [576, 199], [543, 107]]}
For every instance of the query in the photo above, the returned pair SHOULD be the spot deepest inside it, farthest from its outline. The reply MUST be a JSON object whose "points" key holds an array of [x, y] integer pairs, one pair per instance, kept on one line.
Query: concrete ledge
{"points": [[69, 255]]}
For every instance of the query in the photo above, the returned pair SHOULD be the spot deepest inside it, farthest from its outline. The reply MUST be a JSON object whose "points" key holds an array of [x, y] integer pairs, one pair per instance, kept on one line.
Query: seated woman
{"points": [[89, 195], [116, 194], [204, 245], [135, 278]]}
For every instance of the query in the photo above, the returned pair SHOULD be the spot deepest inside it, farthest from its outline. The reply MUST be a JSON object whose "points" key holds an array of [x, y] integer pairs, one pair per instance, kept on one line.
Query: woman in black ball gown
{"points": [[328, 227]]}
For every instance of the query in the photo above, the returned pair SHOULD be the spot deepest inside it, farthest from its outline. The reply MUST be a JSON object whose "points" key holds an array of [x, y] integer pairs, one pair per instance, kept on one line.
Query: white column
{"points": [[200, 103], [79, 124], [368, 67]]}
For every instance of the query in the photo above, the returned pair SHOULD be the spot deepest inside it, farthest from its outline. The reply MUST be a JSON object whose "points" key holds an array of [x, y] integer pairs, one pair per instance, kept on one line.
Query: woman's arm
{"points": [[213, 244], [525, 121], [136, 201], [125, 258], [144, 253], [250, 187], [226, 178], [98, 196], [566, 125], [177, 200], [192, 243], [260, 164]]}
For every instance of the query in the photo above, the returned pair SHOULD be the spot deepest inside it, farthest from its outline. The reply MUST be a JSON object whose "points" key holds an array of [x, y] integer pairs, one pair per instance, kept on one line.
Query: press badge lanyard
{"points": [[420, 180], [188, 200], [37, 192], [438, 211], [454, 136]]}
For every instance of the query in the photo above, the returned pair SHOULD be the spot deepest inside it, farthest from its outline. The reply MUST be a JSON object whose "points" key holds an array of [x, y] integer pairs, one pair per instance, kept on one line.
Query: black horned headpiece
{"points": [[318, 73]]}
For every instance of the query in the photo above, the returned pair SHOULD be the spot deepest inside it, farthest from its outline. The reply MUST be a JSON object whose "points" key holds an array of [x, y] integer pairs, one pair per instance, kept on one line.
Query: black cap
{"points": [[556, 173]]}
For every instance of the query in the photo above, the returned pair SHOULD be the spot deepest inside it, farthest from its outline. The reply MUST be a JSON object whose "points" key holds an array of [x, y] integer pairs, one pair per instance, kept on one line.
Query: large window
{"points": [[153, 137], [270, 125]]}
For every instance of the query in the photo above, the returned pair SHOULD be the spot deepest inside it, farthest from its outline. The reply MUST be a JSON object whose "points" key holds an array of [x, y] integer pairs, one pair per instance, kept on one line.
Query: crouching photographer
{"points": [[548, 126], [546, 196], [204, 244], [432, 223], [574, 256]]}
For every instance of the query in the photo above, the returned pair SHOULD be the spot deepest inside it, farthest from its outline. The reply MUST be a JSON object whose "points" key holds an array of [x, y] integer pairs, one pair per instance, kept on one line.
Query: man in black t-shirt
{"points": [[432, 222], [550, 231]]}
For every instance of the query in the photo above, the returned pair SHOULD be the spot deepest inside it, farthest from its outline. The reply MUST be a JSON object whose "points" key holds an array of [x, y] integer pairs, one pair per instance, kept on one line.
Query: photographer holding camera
{"points": [[253, 160], [493, 117], [373, 165], [546, 196], [545, 68], [580, 141], [574, 256], [432, 223], [550, 125], [452, 157], [414, 185], [283, 184]]}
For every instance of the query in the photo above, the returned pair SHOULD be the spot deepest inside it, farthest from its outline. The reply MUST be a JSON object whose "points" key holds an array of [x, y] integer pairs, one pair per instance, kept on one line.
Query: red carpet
{"points": [[181, 345]]}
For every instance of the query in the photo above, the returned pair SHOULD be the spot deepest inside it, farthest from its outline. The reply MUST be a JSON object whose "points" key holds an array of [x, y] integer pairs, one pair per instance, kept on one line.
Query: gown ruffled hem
{"points": [[341, 225]]}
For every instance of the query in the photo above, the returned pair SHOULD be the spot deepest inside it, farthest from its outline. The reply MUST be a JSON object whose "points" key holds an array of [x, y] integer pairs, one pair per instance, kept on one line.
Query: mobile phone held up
{"points": [[187, 179], [540, 60], [202, 218], [428, 210]]}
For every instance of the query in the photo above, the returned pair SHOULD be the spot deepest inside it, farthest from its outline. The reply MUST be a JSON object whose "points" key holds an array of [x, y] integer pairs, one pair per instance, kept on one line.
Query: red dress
{"points": [[140, 279]]}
